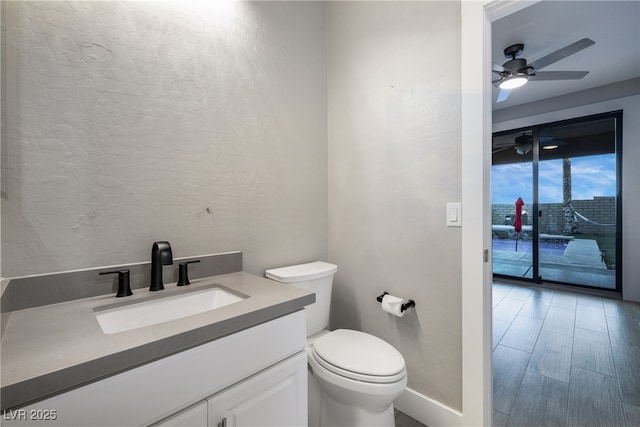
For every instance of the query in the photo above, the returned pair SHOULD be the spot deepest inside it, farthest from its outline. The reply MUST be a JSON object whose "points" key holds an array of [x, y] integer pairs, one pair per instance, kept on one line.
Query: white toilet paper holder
{"points": [[409, 304]]}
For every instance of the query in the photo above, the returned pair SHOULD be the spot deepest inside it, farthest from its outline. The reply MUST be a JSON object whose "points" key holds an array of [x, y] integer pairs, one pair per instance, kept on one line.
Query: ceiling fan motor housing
{"points": [[518, 65], [515, 65]]}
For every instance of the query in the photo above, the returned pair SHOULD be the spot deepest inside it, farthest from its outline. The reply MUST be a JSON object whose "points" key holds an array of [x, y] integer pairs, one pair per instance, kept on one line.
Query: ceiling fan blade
{"points": [[497, 150], [503, 95], [561, 53], [497, 68], [558, 75]]}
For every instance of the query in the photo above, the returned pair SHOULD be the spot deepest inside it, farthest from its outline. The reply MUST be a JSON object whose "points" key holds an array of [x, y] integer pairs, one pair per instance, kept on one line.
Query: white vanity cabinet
{"points": [[276, 396], [253, 377], [194, 416]]}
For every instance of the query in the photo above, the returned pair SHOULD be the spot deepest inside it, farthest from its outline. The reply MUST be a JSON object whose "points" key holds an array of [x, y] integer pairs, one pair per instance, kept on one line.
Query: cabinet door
{"points": [[194, 416], [276, 396]]}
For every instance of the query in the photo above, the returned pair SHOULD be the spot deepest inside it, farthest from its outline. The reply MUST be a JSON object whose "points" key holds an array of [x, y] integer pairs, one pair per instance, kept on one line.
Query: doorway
{"points": [[556, 205]]}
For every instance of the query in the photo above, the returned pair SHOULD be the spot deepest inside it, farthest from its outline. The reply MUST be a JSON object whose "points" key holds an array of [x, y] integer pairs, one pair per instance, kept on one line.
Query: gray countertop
{"points": [[53, 348]]}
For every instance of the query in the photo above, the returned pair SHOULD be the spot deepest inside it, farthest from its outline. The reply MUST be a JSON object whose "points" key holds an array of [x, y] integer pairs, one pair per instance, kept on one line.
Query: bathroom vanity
{"points": [[240, 364]]}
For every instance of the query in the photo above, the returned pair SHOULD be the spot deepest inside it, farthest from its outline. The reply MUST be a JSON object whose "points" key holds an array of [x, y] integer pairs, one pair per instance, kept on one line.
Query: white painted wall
{"points": [[200, 123], [630, 176], [394, 162]]}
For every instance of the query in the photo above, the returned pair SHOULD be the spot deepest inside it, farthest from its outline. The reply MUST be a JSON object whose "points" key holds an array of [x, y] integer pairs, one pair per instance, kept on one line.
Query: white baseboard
{"points": [[428, 411]]}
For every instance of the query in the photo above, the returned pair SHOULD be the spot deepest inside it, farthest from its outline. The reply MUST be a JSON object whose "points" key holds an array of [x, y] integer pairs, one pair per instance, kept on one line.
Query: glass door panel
{"points": [[566, 178], [577, 188], [512, 178]]}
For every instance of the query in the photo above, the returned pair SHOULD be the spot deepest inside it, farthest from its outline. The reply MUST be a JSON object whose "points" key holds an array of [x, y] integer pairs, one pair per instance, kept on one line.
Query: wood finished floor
{"points": [[564, 359], [404, 420]]}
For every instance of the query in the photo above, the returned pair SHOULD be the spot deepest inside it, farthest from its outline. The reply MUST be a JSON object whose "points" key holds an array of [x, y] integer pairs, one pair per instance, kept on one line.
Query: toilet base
{"points": [[325, 411], [337, 414]]}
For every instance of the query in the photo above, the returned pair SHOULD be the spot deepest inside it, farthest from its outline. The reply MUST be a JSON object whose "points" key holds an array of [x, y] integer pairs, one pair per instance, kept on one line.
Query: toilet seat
{"points": [[359, 356]]}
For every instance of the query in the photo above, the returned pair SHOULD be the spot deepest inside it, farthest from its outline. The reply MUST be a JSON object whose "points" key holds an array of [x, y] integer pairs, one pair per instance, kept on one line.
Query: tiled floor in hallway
{"points": [[564, 359]]}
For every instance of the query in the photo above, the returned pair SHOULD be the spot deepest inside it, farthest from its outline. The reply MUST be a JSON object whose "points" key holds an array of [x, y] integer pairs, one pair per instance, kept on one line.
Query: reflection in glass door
{"points": [[511, 181], [577, 190], [567, 175]]}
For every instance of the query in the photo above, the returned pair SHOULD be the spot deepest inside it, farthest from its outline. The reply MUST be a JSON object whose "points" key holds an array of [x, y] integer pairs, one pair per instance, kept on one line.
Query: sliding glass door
{"points": [[512, 180], [565, 177]]}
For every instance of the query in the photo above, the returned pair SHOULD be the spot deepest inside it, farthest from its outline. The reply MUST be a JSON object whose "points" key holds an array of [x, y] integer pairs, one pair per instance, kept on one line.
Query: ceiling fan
{"points": [[524, 143], [516, 72]]}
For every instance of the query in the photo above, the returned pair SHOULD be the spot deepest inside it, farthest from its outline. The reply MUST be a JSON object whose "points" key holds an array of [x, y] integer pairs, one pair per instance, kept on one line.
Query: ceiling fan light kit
{"points": [[514, 81]]}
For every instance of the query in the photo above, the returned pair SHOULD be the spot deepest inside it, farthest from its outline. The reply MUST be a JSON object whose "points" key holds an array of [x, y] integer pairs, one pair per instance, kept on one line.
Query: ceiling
{"points": [[549, 25]]}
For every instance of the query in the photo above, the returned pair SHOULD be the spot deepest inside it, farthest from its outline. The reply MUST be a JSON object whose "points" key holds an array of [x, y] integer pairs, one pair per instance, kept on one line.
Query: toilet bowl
{"points": [[354, 377]]}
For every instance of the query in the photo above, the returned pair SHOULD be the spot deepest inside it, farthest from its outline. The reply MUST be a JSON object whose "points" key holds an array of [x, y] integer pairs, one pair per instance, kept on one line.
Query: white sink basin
{"points": [[121, 317]]}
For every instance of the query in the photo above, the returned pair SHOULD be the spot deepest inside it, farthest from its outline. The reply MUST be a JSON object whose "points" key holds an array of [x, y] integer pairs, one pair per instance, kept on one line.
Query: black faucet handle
{"points": [[183, 272], [124, 289]]}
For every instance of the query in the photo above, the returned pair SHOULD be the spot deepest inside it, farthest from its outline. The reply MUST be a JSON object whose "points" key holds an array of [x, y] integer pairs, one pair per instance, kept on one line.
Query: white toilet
{"points": [[354, 377]]}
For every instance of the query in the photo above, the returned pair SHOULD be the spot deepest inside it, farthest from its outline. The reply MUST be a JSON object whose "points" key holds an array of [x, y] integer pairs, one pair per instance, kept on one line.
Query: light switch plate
{"points": [[454, 214]]}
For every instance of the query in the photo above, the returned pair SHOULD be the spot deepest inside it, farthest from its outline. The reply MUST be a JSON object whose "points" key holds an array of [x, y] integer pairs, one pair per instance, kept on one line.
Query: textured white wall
{"points": [[200, 123], [394, 162], [129, 121]]}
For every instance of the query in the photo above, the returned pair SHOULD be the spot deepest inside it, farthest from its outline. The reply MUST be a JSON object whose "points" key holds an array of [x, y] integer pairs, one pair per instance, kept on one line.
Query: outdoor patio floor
{"points": [[580, 263]]}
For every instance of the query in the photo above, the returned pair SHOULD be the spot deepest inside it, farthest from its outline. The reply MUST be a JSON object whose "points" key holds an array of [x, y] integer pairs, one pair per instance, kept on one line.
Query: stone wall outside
{"points": [[601, 210]]}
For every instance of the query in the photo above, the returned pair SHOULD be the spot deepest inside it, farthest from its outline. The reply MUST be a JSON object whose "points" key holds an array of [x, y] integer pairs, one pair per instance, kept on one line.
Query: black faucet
{"points": [[160, 255]]}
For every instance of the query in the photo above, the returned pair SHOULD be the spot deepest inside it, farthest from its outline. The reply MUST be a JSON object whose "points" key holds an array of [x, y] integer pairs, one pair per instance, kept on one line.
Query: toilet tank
{"points": [[316, 277]]}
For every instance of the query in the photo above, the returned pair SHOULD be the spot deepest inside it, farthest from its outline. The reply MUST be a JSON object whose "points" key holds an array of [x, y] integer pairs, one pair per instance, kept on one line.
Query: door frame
{"points": [[476, 129]]}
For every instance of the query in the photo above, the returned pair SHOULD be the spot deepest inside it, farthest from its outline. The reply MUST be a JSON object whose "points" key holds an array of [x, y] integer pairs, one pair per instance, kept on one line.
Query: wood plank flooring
{"points": [[564, 359], [404, 420]]}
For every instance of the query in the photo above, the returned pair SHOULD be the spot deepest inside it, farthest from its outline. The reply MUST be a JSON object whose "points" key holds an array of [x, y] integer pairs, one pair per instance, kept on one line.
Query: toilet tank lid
{"points": [[300, 272]]}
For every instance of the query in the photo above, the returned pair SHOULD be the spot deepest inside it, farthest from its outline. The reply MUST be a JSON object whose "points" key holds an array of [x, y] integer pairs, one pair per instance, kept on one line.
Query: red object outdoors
{"points": [[517, 223]]}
